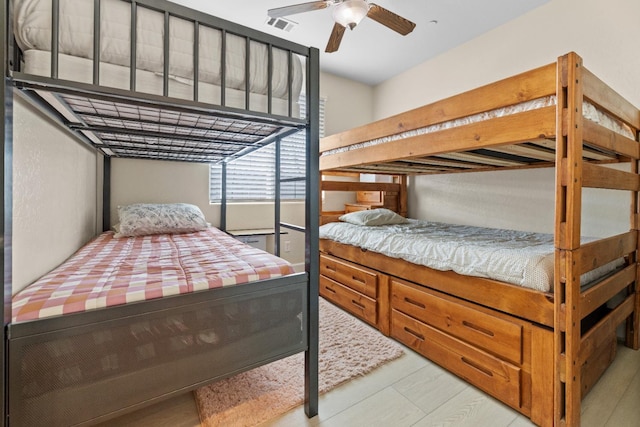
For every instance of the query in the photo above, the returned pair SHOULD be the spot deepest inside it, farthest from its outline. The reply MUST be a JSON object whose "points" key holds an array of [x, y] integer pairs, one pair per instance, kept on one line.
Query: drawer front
{"points": [[355, 303], [494, 334], [357, 278], [373, 197], [495, 376]]}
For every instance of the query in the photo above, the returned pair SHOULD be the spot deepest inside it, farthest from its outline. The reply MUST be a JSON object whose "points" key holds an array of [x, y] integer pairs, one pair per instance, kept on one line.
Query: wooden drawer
{"points": [[489, 373], [369, 197], [352, 301], [356, 277], [482, 329]]}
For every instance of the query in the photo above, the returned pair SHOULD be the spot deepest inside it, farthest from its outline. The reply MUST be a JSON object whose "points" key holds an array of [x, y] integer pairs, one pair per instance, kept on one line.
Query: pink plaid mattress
{"points": [[111, 271]]}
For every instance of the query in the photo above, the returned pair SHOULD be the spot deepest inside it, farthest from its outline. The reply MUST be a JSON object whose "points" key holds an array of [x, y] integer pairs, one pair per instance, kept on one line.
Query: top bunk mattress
{"points": [[32, 30], [517, 257], [111, 271], [589, 112]]}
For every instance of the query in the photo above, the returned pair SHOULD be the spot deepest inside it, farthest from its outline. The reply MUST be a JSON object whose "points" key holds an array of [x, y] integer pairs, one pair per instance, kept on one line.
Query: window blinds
{"points": [[252, 177]]}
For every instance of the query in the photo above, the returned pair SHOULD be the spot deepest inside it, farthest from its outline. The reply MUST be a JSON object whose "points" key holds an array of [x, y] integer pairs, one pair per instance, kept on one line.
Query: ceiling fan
{"points": [[348, 13]]}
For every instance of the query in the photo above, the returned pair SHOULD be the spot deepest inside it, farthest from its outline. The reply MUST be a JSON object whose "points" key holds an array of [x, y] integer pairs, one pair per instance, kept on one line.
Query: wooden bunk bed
{"points": [[210, 92], [538, 352]]}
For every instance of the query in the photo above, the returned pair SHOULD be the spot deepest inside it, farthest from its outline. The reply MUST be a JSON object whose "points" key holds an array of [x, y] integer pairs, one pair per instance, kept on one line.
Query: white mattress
{"points": [[589, 111], [32, 23], [517, 257]]}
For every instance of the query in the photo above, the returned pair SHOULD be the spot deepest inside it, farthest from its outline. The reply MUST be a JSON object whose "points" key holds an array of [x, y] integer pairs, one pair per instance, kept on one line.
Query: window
{"points": [[252, 177]]}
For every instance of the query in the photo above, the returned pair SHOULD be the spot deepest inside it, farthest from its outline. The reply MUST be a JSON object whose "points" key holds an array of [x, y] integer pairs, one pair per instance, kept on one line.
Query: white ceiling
{"points": [[372, 53]]}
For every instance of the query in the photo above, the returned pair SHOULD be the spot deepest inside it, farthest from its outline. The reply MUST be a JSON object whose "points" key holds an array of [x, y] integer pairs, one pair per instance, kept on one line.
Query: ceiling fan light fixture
{"points": [[349, 13]]}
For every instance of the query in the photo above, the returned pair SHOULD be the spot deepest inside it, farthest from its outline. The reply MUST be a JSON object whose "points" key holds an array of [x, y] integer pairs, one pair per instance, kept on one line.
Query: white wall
{"points": [[605, 34], [155, 181], [348, 103], [54, 194]]}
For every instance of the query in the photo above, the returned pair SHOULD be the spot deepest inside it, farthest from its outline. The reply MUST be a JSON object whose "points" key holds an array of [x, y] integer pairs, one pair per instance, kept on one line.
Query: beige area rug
{"points": [[348, 348]]}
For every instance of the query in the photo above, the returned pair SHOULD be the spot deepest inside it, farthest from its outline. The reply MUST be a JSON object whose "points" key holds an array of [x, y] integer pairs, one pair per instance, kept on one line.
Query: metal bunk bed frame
{"points": [[180, 374]]}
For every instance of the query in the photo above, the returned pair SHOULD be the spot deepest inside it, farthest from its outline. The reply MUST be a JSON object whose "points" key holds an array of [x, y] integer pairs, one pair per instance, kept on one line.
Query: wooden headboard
{"points": [[393, 196]]}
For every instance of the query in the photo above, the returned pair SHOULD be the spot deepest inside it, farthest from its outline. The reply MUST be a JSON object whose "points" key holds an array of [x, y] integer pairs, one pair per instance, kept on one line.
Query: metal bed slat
{"points": [[269, 77], [223, 68], [96, 42], [223, 197], [235, 132], [247, 73], [196, 59], [278, 189], [154, 141], [134, 46], [166, 55], [238, 144], [290, 83], [55, 34]]}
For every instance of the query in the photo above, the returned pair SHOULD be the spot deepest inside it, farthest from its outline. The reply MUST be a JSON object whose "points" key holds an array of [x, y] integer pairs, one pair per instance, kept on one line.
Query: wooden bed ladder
{"points": [[573, 348]]}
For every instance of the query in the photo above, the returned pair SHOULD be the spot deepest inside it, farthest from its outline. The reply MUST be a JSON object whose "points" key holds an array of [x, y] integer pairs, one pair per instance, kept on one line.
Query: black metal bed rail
{"points": [[199, 20]]}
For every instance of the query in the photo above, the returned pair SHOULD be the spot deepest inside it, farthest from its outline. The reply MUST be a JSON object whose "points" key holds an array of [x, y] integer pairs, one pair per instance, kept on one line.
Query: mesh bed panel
{"points": [[147, 131], [80, 374]]}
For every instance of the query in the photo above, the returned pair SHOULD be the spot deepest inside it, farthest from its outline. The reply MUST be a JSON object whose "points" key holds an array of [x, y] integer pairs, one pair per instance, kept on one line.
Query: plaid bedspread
{"points": [[111, 271]]}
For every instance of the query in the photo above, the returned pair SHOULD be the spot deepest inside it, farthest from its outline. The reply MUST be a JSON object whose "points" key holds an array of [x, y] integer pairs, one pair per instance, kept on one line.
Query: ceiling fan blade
{"points": [[298, 8], [335, 38], [389, 19]]}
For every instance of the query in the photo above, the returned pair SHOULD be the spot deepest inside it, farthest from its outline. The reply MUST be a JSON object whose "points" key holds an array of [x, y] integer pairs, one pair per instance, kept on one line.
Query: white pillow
{"points": [[142, 219], [380, 216]]}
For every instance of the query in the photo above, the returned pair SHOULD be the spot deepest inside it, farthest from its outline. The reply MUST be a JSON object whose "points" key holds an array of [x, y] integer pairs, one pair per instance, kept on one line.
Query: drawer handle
{"points": [[330, 268], [414, 302], [414, 333], [357, 279], [357, 304], [476, 366], [477, 328], [330, 290]]}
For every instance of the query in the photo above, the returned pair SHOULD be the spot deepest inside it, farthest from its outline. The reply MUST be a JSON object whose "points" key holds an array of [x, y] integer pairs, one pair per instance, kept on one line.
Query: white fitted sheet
{"points": [[517, 257]]}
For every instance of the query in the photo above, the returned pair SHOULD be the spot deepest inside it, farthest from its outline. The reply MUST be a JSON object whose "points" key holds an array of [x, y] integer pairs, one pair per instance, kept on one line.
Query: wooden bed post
{"points": [[402, 199], [633, 323], [567, 240]]}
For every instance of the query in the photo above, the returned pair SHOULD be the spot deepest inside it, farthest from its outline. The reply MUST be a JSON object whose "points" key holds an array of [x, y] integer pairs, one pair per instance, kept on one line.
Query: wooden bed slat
{"points": [[481, 159], [607, 139], [599, 294], [397, 168], [587, 153], [597, 176], [605, 97], [359, 186], [529, 85], [446, 163], [522, 127], [600, 252], [533, 152], [606, 327]]}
